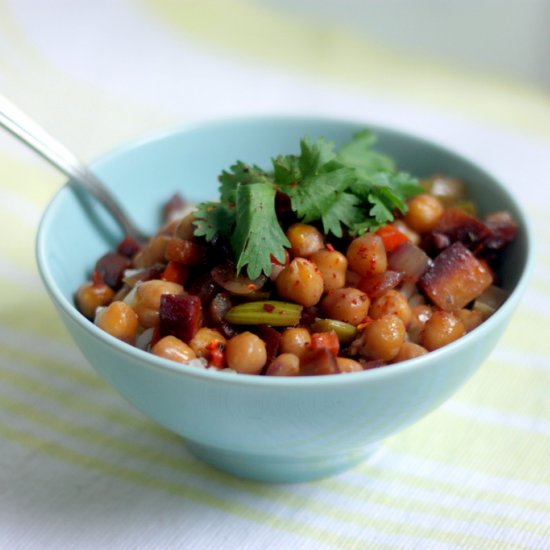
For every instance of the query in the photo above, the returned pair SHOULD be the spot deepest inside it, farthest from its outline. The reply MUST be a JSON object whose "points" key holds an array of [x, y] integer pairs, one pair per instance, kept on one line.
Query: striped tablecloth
{"points": [[79, 468]]}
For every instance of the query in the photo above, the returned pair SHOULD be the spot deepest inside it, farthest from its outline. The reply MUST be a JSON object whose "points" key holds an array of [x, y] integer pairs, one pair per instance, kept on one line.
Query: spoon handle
{"points": [[29, 132]]}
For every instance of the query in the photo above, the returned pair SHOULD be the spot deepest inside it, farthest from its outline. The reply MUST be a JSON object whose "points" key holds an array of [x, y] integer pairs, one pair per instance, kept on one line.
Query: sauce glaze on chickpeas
{"points": [[332, 306]]}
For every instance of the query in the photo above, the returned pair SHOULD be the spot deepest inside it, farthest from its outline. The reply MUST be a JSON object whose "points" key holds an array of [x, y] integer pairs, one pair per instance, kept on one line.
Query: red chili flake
{"points": [[251, 286], [367, 321], [330, 247], [268, 307]]}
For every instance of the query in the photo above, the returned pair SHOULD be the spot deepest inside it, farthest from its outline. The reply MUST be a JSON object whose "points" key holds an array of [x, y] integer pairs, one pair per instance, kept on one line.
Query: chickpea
{"points": [[391, 302], [367, 255], [173, 348], [333, 266], [246, 353], [383, 338], [441, 329], [419, 315], [424, 213], [184, 229], [409, 350], [295, 341], [90, 296], [286, 364], [277, 266], [152, 252], [348, 365], [169, 228], [304, 239], [300, 282], [413, 236], [346, 304], [119, 320], [204, 338], [147, 300], [470, 318]]}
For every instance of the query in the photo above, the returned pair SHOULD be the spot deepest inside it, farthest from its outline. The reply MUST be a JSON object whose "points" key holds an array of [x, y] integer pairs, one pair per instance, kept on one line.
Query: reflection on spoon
{"points": [[31, 134]]}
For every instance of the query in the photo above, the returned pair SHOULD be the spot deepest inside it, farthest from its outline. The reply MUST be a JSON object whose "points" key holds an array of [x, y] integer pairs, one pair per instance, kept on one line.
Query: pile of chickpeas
{"points": [[332, 282]]}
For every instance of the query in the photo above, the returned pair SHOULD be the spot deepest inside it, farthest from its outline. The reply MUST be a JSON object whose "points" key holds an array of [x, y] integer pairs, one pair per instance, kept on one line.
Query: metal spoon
{"points": [[31, 134]]}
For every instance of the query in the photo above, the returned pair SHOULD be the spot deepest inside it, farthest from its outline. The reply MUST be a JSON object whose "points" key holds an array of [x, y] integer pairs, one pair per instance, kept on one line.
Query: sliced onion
{"points": [[144, 339], [490, 300], [448, 190], [133, 276], [375, 285], [226, 277], [410, 260], [219, 306]]}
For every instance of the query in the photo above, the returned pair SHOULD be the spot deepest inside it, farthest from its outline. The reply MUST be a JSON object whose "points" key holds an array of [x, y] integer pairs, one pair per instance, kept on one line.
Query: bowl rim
{"points": [[503, 314]]}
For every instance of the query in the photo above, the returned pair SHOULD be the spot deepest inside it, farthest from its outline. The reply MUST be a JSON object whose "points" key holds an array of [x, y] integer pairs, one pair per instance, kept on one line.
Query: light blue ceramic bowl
{"points": [[265, 428]]}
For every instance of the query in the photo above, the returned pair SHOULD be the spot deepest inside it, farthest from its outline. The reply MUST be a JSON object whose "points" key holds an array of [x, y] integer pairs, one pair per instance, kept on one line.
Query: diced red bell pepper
{"points": [[320, 361], [174, 272], [325, 340], [216, 354], [391, 237]]}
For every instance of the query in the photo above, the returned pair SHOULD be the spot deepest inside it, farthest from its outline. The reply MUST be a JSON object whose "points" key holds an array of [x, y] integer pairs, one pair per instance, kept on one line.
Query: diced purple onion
{"points": [[410, 260]]}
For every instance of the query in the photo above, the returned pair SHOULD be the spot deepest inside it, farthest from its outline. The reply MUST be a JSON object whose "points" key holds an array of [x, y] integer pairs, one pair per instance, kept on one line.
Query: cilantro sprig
{"points": [[353, 190]]}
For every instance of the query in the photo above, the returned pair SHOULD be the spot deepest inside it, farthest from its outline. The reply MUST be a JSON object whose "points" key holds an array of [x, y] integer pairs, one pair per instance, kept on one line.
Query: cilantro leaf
{"points": [[240, 172], [313, 156], [257, 235], [406, 185], [315, 195], [358, 153], [344, 210], [286, 169], [212, 218], [380, 211], [355, 189]]}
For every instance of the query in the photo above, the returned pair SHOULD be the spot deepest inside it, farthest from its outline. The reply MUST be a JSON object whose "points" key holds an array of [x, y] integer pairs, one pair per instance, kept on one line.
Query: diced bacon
{"points": [[174, 206], [457, 225], [272, 339], [503, 230], [456, 278], [185, 252], [128, 247], [111, 267]]}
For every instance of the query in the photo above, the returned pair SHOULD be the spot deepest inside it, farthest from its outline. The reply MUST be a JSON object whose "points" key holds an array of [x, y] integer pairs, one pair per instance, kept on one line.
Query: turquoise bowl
{"points": [[263, 428]]}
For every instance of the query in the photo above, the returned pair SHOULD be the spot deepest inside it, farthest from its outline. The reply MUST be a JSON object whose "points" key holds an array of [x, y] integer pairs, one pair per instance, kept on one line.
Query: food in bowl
{"points": [[269, 428], [332, 262]]}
